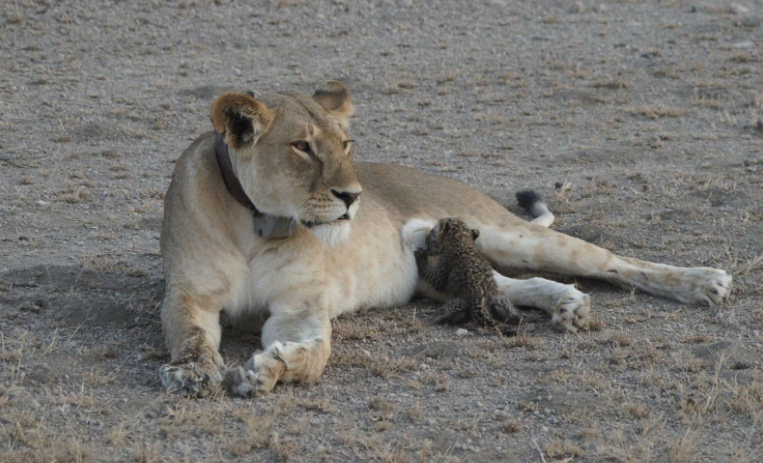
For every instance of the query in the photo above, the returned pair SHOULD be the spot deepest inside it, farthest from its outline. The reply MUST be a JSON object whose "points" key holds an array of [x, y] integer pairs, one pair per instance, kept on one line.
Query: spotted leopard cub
{"points": [[451, 264]]}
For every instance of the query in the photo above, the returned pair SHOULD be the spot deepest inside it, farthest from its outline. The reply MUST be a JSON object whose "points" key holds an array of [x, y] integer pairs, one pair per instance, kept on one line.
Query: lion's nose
{"points": [[346, 196]]}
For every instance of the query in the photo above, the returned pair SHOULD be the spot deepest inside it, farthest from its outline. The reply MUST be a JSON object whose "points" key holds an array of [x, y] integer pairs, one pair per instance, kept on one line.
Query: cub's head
{"points": [[292, 155], [450, 233]]}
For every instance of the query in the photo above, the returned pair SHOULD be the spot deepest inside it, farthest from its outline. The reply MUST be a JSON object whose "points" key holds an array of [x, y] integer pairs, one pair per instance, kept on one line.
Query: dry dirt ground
{"points": [[639, 121]]}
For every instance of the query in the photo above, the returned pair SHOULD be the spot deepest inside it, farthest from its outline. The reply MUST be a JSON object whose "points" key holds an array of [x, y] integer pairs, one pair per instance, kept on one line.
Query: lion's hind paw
{"points": [[708, 286]]}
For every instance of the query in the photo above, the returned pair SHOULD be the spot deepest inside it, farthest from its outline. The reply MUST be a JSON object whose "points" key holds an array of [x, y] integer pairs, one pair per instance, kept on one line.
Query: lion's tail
{"points": [[533, 203]]}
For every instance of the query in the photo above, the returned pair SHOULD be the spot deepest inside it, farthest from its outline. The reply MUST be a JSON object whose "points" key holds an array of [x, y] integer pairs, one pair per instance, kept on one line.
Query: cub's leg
{"points": [[297, 347], [503, 311], [191, 325], [530, 247], [459, 312], [456, 312]]}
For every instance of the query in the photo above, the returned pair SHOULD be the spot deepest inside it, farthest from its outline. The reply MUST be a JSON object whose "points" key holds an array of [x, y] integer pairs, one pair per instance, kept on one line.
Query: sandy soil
{"points": [[639, 121]]}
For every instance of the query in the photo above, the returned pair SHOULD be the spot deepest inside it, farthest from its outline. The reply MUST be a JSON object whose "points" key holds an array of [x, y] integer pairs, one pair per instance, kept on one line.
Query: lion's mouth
{"points": [[313, 224]]}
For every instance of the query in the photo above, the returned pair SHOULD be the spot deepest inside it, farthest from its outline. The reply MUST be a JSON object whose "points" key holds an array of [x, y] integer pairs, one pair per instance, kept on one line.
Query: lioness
{"points": [[269, 215]]}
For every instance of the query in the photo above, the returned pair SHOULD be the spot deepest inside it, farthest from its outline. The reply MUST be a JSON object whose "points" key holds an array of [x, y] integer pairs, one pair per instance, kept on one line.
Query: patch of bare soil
{"points": [[639, 121]]}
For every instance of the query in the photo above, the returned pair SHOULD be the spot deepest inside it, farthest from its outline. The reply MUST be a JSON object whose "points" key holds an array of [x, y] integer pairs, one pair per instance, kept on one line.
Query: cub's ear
{"points": [[335, 97], [240, 119], [475, 234]]}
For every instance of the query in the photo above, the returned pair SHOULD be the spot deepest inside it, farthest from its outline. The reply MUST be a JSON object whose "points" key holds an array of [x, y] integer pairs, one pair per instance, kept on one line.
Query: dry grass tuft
{"points": [[440, 381], [620, 339], [639, 411], [414, 413], [321, 405], [511, 427], [562, 449], [742, 56], [705, 101], [750, 266], [75, 194], [524, 340], [615, 83], [107, 264], [595, 323], [382, 366], [656, 111], [683, 449]]}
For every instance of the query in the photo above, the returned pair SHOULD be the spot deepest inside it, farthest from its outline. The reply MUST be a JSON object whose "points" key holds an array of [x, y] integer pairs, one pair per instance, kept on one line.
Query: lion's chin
{"points": [[332, 233]]}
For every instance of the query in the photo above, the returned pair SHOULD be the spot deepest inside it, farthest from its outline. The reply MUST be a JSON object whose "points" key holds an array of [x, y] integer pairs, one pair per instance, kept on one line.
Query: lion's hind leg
{"points": [[528, 247], [689, 285]]}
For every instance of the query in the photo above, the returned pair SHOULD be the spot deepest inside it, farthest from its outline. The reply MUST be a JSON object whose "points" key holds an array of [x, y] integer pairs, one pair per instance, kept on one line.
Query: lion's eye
{"points": [[346, 145], [303, 146]]}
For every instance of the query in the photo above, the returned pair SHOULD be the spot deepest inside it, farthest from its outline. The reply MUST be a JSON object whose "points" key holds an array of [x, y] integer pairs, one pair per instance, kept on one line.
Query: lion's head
{"points": [[292, 155]]}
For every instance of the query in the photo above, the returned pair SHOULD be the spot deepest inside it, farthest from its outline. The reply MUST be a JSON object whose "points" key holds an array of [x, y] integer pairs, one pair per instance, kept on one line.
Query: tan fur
{"points": [[214, 261]]}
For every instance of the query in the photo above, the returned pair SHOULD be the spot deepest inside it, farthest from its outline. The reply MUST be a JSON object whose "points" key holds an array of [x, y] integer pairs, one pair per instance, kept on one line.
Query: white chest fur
{"points": [[372, 269]]}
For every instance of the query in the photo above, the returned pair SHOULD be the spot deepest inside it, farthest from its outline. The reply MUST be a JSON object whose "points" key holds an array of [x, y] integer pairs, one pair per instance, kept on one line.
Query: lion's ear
{"points": [[475, 234], [335, 97], [240, 119]]}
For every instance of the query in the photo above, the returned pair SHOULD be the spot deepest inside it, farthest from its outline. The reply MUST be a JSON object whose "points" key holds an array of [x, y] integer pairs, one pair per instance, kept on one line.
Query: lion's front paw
{"points": [[190, 378], [573, 312], [259, 375], [706, 286]]}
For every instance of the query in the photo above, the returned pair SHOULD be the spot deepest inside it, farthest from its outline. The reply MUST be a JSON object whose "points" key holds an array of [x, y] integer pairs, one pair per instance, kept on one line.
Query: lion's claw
{"points": [[191, 378]]}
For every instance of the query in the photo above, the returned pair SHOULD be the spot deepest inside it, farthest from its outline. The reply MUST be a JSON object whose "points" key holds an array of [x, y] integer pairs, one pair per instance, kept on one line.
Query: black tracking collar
{"points": [[265, 225]]}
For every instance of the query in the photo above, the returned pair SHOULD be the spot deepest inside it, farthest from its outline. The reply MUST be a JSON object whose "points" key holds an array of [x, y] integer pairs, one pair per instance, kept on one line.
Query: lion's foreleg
{"points": [[192, 328], [568, 308], [297, 348]]}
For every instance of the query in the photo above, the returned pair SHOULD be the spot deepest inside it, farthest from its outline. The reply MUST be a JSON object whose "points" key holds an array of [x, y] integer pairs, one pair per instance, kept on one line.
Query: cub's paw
{"points": [[259, 375], [573, 312], [705, 286], [507, 330], [190, 378], [457, 317]]}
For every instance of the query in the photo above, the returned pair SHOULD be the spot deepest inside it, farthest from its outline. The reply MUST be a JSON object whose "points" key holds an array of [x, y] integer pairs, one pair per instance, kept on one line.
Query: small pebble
{"points": [[16, 17], [738, 9], [745, 44], [577, 7], [462, 332]]}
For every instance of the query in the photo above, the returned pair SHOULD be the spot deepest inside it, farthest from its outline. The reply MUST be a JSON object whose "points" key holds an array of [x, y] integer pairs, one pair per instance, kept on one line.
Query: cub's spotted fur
{"points": [[451, 264]]}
